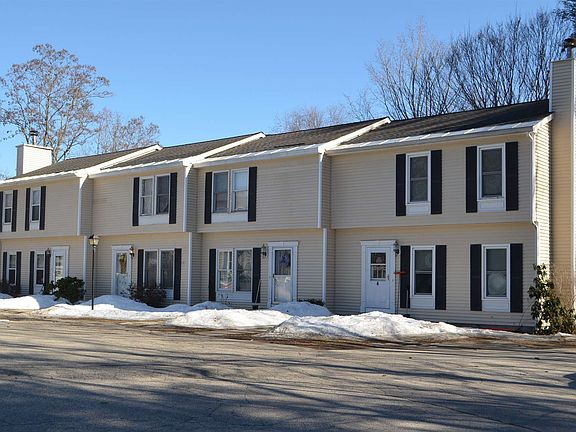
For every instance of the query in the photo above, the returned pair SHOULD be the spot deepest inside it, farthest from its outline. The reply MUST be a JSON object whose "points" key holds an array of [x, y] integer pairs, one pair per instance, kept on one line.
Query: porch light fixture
{"points": [[396, 247], [264, 250], [131, 251], [93, 240]]}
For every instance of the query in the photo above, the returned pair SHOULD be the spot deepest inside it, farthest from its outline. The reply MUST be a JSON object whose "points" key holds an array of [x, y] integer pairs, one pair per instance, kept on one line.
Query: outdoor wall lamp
{"points": [[396, 247], [93, 240], [264, 250], [131, 251]]}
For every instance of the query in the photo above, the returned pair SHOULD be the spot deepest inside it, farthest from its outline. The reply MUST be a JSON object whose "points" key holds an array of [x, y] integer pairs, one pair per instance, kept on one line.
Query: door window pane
{"points": [[162, 194], [224, 271], [418, 178], [58, 267], [35, 213], [39, 269], [377, 265], [282, 262], [167, 269], [147, 199], [221, 192], [423, 271], [244, 270], [491, 172], [496, 272], [150, 268], [240, 190]]}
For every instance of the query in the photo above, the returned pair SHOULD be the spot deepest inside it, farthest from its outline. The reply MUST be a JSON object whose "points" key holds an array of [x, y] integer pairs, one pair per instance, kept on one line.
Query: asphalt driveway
{"points": [[103, 376]]}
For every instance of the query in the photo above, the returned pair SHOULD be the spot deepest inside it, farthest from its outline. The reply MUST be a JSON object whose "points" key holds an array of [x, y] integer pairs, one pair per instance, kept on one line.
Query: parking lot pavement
{"points": [[104, 376]]}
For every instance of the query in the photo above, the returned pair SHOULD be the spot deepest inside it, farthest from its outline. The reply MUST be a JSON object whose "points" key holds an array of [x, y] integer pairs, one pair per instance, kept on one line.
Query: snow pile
{"points": [[121, 308], [230, 319], [5, 296], [372, 325], [33, 302], [301, 309]]}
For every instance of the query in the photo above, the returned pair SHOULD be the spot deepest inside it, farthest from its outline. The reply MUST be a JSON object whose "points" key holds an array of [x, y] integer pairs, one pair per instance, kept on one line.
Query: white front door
{"points": [[282, 273], [121, 272], [378, 278], [58, 263]]}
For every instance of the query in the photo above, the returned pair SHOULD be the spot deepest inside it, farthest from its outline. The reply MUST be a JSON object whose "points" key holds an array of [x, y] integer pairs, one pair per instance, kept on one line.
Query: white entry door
{"points": [[282, 273], [121, 271], [378, 278]]}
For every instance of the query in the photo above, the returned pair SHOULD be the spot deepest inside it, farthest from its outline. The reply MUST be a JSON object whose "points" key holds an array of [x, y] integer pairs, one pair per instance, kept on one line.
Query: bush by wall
{"points": [[152, 295]]}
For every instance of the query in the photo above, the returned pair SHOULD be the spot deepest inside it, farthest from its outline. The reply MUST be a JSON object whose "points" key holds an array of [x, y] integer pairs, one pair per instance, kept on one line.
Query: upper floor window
{"points": [[230, 191], [418, 183], [7, 217], [35, 205], [154, 195], [491, 172]]}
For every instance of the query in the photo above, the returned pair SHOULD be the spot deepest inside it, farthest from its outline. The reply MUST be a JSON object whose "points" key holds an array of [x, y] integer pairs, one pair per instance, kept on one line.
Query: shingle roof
{"points": [[181, 151], [294, 139], [458, 121], [78, 163]]}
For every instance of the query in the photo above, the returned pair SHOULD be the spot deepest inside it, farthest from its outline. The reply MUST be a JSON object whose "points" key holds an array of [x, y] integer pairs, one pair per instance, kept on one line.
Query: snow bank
{"points": [[33, 302], [230, 319], [301, 309], [5, 296], [372, 325]]}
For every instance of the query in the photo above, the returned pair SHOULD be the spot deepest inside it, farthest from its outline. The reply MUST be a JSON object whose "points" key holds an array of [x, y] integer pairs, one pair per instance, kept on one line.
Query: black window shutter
{"points": [[31, 274], [27, 211], [516, 280], [173, 197], [5, 267], [177, 272], [19, 272], [405, 276], [14, 209], [471, 180], [400, 185], [46, 270], [212, 275], [208, 199], [440, 295], [1, 210], [252, 176], [42, 208], [140, 269], [511, 176], [436, 182], [476, 277], [256, 274], [135, 201]]}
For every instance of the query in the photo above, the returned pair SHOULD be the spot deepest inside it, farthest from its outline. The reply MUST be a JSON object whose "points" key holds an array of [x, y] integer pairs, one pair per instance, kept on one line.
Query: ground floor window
{"points": [[159, 268], [496, 263], [422, 277], [12, 268], [39, 271], [234, 270]]}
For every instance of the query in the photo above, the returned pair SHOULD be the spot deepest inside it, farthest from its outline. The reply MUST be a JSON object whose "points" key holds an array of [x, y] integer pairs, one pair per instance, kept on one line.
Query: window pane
{"points": [[8, 215], [8, 200], [241, 200], [221, 192], [150, 268], [492, 184], [418, 178], [147, 187], [40, 261], [162, 204], [282, 262], [377, 265], [39, 276], [146, 205], [496, 259], [167, 269], [11, 276], [419, 167], [35, 213], [12, 261], [35, 197], [163, 186], [58, 267], [492, 160], [491, 172], [244, 270], [418, 190], [496, 272], [423, 283], [162, 194], [423, 260], [240, 180]]}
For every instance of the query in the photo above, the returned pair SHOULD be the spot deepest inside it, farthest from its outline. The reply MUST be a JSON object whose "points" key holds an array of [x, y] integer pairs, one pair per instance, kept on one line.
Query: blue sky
{"points": [[203, 70]]}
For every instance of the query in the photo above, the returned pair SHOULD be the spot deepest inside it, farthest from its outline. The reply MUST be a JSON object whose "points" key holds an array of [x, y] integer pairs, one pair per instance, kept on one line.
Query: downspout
{"points": [[185, 199], [319, 223], [533, 213]]}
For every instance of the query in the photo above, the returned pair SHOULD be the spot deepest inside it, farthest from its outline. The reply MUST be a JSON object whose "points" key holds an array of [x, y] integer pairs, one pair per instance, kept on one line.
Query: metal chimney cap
{"points": [[570, 42]]}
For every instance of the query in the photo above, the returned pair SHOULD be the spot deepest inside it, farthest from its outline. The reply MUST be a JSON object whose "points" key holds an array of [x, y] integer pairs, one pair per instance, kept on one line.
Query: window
{"points": [[12, 268], [39, 273], [7, 207], [155, 195], [167, 269], [150, 268], [418, 178], [35, 206], [147, 197], [423, 271], [162, 194], [495, 272], [224, 270], [491, 169], [244, 270], [230, 191], [377, 266]]}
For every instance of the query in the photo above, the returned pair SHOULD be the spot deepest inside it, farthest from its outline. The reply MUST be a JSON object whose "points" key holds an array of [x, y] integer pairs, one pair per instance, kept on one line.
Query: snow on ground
{"points": [[33, 302], [230, 319], [5, 296], [301, 309]]}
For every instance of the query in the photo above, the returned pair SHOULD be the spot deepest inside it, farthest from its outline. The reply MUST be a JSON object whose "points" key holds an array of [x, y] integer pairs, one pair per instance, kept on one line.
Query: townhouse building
{"points": [[440, 217]]}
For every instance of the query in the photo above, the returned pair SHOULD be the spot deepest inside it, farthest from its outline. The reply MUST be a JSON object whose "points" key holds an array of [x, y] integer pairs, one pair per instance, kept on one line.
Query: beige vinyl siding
{"points": [[112, 205], [326, 191], [457, 238], [61, 209], [103, 282], [542, 192], [364, 186], [25, 245], [86, 207], [287, 195], [197, 269], [309, 283], [330, 269], [192, 202]]}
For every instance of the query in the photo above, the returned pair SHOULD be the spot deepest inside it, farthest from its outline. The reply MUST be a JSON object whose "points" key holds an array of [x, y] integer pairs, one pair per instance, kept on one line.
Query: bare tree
{"points": [[568, 13], [114, 133], [52, 93], [310, 117]]}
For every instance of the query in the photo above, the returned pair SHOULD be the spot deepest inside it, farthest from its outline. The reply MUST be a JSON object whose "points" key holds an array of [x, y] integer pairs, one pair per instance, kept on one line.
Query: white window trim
{"points": [[35, 224], [120, 248], [496, 304], [232, 293], [8, 268], [169, 291], [4, 207], [422, 301], [53, 251], [418, 207], [36, 253], [232, 190], [230, 215], [490, 204], [153, 219], [282, 245]]}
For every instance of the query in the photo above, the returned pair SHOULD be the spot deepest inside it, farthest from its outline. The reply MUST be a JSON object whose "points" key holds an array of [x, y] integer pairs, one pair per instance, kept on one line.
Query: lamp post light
{"points": [[93, 240], [47, 271]]}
